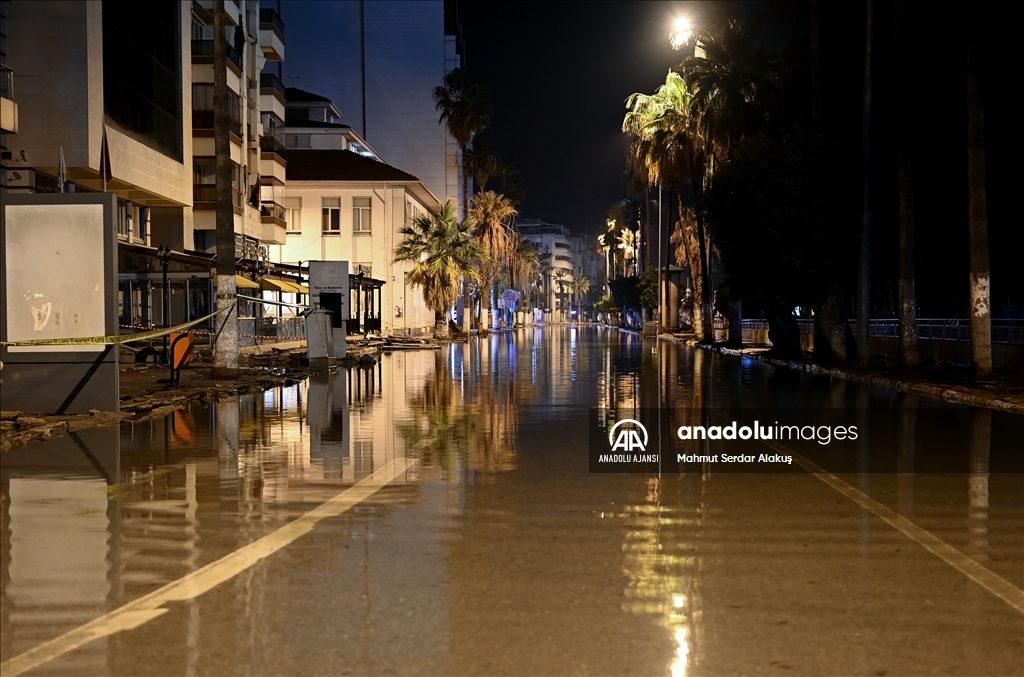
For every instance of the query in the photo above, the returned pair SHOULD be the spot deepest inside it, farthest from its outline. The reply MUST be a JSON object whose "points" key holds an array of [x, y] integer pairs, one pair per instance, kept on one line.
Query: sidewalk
{"points": [[946, 384]]}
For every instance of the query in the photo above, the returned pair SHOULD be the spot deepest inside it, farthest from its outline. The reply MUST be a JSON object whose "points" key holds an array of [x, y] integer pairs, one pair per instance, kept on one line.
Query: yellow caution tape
{"points": [[120, 338]]}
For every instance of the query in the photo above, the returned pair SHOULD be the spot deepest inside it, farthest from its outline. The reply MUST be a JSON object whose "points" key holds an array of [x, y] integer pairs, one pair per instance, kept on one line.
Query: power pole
{"points": [[864, 268], [225, 357]]}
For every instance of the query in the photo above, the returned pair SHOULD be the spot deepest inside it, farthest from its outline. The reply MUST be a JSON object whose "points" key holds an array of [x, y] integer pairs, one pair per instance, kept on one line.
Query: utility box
{"points": [[319, 339]]}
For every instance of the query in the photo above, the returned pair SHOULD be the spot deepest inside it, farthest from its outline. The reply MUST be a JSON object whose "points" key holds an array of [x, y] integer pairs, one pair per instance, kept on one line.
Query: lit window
{"points": [[331, 215], [360, 215]]}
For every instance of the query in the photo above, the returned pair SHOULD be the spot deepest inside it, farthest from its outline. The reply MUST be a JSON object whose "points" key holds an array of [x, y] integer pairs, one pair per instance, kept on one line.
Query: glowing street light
{"points": [[681, 33]]}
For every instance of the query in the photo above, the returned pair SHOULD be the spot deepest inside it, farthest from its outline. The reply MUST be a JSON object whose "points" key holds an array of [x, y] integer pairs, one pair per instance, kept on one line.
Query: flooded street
{"points": [[436, 514]]}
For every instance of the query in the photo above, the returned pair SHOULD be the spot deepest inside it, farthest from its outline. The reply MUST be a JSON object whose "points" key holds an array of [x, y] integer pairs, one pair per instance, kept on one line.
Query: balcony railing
{"points": [[270, 81], [208, 193], [270, 16], [1004, 331], [272, 209], [205, 48], [6, 82]]}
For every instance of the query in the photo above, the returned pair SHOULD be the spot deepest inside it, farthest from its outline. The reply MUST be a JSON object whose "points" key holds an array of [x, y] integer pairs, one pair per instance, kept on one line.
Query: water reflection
{"points": [[500, 508]]}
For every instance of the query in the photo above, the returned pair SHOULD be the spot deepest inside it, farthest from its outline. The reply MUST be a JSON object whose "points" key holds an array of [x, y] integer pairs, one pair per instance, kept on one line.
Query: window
{"points": [[331, 215], [296, 140], [293, 214], [360, 215]]}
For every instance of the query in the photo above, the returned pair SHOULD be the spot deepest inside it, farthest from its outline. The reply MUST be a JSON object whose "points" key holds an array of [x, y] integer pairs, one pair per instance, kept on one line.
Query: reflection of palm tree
{"points": [[545, 274], [449, 424], [443, 253]]}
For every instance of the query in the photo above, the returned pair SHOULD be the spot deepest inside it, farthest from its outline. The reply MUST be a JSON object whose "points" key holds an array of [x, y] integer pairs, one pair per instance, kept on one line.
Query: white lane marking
{"points": [[146, 608], [994, 583]]}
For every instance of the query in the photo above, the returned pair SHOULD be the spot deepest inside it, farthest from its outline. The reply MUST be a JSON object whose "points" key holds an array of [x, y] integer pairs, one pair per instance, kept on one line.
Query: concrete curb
{"points": [[952, 394]]}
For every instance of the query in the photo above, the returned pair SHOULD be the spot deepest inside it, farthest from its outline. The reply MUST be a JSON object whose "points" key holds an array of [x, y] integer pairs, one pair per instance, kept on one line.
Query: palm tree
{"points": [[628, 246], [666, 148], [545, 267], [459, 98], [483, 163], [977, 219], [492, 214], [908, 355], [580, 286], [730, 76], [524, 265], [443, 253], [561, 282]]}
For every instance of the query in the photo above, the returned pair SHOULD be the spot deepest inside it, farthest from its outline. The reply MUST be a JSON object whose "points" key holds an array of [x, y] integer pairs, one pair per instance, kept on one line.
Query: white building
{"points": [[379, 62], [342, 206]]}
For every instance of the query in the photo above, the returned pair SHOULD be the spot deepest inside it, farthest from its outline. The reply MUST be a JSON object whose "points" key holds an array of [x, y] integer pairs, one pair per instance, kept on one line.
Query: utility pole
{"points": [[225, 357], [864, 268]]}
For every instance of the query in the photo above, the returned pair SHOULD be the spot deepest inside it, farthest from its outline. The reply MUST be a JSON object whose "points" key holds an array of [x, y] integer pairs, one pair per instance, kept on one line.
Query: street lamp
{"points": [[681, 32], [163, 253]]}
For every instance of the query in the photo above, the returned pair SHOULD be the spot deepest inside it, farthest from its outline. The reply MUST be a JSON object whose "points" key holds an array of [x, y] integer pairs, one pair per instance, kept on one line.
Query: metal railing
{"points": [[271, 81], [1004, 330], [205, 48], [270, 16], [6, 82]]}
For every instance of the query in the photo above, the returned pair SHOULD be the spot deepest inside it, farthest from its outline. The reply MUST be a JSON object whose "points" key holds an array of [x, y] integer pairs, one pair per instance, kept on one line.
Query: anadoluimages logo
{"points": [[628, 439]]}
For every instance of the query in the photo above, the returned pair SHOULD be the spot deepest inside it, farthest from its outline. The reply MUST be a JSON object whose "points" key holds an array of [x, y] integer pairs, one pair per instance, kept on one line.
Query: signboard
{"points": [[58, 280], [328, 289]]}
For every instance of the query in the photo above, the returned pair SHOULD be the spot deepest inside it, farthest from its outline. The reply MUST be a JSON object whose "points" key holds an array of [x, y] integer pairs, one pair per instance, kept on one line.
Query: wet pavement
{"points": [[435, 514]]}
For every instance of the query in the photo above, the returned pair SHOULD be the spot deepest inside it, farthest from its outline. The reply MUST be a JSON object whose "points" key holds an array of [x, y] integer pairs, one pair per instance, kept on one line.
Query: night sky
{"points": [[557, 75]]}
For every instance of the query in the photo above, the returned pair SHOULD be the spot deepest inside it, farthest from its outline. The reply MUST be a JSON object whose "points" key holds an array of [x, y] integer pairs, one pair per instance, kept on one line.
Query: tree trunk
{"points": [[440, 325], [864, 268], [225, 358], [908, 355], [835, 329], [466, 314], [977, 212]]}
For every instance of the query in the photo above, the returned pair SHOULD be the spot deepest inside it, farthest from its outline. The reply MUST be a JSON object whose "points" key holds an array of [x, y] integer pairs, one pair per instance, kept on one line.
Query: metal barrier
{"points": [[1005, 331]]}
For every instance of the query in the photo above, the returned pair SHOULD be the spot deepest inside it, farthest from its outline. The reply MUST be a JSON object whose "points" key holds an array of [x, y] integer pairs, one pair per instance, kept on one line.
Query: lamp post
{"points": [[164, 254]]}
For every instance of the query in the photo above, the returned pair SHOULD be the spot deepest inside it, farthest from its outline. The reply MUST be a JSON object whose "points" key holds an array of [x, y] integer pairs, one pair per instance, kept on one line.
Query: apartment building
{"points": [[255, 44]]}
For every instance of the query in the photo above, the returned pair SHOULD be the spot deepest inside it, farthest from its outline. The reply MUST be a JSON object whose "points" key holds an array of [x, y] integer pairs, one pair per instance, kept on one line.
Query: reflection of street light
{"points": [[164, 254]]}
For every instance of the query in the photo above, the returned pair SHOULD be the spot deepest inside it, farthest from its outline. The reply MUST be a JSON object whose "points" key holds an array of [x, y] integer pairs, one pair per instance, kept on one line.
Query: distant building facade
{"points": [[343, 206], [379, 63]]}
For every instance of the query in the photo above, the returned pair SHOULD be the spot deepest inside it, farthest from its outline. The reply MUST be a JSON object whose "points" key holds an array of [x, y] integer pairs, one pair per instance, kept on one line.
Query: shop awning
{"points": [[286, 286], [241, 282]]}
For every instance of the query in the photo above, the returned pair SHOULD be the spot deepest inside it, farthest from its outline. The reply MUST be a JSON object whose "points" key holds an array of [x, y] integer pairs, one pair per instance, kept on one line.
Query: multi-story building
{"points": [[137, 80], [549, 238], [256, 108], [385, 58], [8, 107]]}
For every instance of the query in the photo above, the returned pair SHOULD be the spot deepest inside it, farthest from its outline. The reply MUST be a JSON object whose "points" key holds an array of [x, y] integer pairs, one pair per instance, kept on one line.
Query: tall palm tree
{"points": [[524, 266], [493, 214], [561, 281], [545, 267], [666, 148], [731, 77], [443, 253], [908, 354], [977, 218], [580, 287], [628, 246], [459, 99], [483, 163]]}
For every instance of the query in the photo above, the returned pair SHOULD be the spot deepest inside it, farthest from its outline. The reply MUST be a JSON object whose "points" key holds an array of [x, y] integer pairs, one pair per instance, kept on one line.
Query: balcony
{"points": [[271, 35], [8, 109], [270, 84], [202, 52], [204, 196]]}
